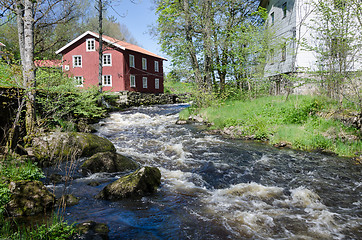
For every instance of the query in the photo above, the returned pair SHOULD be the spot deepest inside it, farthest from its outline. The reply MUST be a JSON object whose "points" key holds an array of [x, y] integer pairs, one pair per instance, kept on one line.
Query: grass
{"points": [[178, 87], [295, 122], [12, 169]]}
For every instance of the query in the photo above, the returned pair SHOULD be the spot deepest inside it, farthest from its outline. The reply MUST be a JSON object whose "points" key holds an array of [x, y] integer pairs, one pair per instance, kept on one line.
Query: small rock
{"points": [[67, 200], [93, 184], [92, 231], [108, 162], [142, 182], [181, 122]]}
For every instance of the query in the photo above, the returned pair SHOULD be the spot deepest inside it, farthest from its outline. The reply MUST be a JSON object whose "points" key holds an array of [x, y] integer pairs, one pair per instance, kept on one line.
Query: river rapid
{"points": [[217, 188]]}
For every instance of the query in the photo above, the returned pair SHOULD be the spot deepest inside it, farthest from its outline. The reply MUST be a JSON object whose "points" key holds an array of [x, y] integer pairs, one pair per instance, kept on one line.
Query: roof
{"points": [[48, 63], [114, 42], [2, 45]]}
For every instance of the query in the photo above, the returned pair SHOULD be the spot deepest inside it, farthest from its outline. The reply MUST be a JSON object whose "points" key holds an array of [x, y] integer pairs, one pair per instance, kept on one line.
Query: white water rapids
{"points": [[216, 188]]}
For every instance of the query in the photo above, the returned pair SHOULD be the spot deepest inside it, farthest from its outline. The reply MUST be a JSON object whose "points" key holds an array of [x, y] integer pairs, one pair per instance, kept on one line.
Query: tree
{"points": [[337, 30], [30, 13], [203, 35]]}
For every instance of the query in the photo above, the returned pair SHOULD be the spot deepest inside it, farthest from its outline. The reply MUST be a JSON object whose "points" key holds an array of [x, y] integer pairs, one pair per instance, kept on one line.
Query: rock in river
{"points": [[108, 162], [29, 198], [142, 182], [52, 147]]}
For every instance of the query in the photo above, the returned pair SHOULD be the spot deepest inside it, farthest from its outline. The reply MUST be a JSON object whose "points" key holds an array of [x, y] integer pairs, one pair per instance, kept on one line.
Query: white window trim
{"points": [[131, 63], [144, 63], [144, 82], [81, 61], [157, 83], [76, 80], [103, 81], [157, 66], [110, 58], [87, 44], [130, 81]]}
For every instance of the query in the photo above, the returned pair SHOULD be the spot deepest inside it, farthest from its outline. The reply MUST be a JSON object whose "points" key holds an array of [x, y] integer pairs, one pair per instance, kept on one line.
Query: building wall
{"points": [[139, 73], [282, 33], [120, 70]]}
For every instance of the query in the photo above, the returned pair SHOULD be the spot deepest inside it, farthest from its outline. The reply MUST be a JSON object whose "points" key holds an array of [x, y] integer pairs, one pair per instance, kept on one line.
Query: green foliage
{"points": [[10, 75], [4, 196], [15, 170], [61, 102], [56, 229]]}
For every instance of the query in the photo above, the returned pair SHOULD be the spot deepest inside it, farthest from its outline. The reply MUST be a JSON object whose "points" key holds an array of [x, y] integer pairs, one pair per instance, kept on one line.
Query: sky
{"points": [[139, 17]]}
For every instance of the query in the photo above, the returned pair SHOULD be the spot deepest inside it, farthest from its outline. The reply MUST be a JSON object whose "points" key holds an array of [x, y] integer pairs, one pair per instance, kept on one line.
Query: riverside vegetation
{"points": [[301, 122]]}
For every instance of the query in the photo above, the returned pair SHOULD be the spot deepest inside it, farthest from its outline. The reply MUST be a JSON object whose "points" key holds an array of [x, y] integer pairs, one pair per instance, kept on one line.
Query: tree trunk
{"points": [[100, 50], [207, 44], [25, 21], [190, 44]]}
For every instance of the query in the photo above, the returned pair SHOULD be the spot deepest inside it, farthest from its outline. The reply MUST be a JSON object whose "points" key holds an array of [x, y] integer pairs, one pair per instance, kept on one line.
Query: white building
{"points": [[288, 21], [294, 26]]}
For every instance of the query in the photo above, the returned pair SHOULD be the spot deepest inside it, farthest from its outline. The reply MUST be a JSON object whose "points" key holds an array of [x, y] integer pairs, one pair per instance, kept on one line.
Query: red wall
{"points": [[119, 70]]}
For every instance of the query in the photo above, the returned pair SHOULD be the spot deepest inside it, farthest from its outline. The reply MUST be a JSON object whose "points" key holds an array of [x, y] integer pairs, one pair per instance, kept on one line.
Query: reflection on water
{"points": [[215, 188]]}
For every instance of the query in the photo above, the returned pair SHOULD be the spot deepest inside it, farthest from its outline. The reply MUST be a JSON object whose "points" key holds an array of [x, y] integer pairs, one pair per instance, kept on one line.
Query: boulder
{"points": [[142, 182], [108, 162], [92, 231], [29, 198], [67, 200], [52, 147]]}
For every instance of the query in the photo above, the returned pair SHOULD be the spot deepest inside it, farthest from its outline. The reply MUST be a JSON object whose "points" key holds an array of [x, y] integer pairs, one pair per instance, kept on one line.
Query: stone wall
{"points": [[129, 99]]}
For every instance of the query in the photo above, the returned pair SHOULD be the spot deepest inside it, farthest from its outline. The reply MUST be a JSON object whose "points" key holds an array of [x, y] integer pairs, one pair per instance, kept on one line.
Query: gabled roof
{"points": [[112, 41]]}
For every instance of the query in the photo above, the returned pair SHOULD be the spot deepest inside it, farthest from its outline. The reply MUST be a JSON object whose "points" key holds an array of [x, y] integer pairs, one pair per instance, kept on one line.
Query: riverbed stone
{"points": [[142, 182], [29, 198], [67, 200], [50, 148], [108, 162], [92, 231]]}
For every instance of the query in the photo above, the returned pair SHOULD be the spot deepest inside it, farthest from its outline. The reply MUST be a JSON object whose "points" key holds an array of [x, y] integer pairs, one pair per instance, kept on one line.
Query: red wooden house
{"points": [[126, 67]]}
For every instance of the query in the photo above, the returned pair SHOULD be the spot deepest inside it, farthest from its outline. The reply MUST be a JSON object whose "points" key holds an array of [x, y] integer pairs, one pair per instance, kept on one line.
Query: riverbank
{"points": [[303, 122]]}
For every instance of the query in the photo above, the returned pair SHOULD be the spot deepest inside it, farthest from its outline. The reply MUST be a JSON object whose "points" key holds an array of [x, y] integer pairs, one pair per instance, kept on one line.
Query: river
{"points": [[217, 188]]}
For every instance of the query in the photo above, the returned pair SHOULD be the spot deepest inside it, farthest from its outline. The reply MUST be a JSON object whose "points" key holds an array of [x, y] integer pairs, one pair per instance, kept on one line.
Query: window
{"points": [[107, 80], [131, 61], [107, 59], [156, 67], [284, 7], [78, 81], [144, 81], [284, 52], [91, 45], [272, 18], [157, 83], [133, 81], [271, 56], [144, 63], [77, 61]]}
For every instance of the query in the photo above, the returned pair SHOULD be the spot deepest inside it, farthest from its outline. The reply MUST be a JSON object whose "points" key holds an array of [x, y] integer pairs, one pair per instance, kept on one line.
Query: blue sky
{"points": [[138, 17]]}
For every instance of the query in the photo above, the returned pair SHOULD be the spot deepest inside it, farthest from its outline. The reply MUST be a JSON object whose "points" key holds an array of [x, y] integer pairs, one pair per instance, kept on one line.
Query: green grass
{"points": [[178, 87], [12, 169], [294, 121]]}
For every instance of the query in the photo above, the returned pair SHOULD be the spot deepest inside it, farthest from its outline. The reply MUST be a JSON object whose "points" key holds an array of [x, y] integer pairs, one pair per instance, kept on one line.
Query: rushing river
{"points": [[216, 188]]}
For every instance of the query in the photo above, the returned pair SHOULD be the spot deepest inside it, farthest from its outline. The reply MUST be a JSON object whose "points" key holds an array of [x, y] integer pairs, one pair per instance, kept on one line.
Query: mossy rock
{"points": [[92, 230], [140, 183], [68, 200], [53, 147], [108, 162], [29, 198]]}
